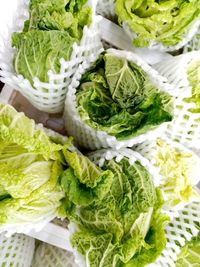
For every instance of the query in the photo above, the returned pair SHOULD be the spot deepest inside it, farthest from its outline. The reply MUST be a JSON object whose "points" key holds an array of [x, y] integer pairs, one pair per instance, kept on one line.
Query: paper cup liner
{"points": [[49, 96], [16, 251], [50, 256], [185, 128], [92, 139]]}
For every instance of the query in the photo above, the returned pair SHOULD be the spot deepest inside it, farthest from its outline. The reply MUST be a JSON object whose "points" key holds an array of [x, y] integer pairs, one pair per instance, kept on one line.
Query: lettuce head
{"points": [[161, 21], [118, 97], [119, 223], [179, 170], [48, 36], [30, 165]]}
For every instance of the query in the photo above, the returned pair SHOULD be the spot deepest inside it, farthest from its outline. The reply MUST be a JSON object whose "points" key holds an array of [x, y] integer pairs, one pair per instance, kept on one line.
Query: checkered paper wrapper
{"points": [[88, 137], [185, 127], [48, 97], [16, 251], [106, 9]]}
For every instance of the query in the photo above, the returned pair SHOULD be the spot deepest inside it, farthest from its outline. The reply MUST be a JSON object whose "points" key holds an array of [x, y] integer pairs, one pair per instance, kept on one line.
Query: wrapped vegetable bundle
{"points": [[31, 162], [177, 168], [120, 101], [124, 226], [45, 55], [16, 251], [164, 25], [182, 73]]}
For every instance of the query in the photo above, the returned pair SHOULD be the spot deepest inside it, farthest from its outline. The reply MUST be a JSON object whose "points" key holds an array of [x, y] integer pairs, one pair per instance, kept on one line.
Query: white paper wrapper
{"points": [[50, 256], [185, 127], [194, 44], [16, 251], [50, 96], [149, 149], [88, 137], [106, 9]]}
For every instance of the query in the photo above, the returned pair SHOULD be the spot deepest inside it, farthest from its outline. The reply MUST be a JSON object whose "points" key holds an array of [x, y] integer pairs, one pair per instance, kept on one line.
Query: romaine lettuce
{"points": [[123, 227], [165, 22], [117, 96]]}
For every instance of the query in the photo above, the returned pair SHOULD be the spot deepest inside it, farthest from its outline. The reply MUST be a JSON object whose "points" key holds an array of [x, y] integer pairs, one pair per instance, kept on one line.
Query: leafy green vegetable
{"points": [[179, 170], [166, 22], [70, 16], [190, 254], [125, 224], [18, 135], [40, 51], [117, 96], [30, 164], [194, 80], [83, 181], [48, 36]]}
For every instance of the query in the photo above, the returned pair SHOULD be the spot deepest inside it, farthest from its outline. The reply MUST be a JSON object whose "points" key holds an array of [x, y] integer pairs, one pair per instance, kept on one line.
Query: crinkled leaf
{"points": [[38, 51], [83, 181], [41, 203], [179, 171], [18, 130], [158, 21], [117, 97], [125, 224]]}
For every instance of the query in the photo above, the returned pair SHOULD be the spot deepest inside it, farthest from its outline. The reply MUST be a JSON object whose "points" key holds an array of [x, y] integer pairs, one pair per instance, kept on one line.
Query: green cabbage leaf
{"points": [[30, 165], [70, 16], [123, 227], [37, 52], [179, 171], [117, 96], [48, 36], [165, 22]]}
